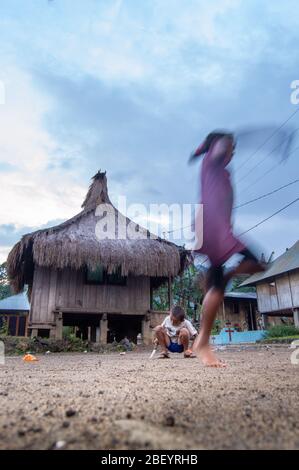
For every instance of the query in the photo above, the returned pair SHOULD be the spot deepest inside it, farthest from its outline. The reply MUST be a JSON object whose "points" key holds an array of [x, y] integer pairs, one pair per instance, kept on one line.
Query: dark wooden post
{"points": [[17, 325], [26, 324], [170, 298], [103, 329], [59, 325], [146, 330], [151, 295]]}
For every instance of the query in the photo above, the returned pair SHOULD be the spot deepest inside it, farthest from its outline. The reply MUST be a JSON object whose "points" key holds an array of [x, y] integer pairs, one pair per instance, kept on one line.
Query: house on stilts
{"points": [[101, 285], [278, 289]]}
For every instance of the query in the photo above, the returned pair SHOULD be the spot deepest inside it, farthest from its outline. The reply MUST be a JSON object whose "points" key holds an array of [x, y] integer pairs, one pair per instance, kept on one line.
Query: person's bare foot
{"points": [[207, 357]]}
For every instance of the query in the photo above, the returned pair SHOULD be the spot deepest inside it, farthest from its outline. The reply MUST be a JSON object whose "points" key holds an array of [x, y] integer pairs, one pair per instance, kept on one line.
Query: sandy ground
{"points": [[90, 401]]}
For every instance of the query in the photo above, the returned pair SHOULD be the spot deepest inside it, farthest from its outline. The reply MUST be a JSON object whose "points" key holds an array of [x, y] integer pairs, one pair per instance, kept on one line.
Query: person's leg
{"points": [[201, 346], [184, 338], [162, 338], [249, 265], [216, 283]]}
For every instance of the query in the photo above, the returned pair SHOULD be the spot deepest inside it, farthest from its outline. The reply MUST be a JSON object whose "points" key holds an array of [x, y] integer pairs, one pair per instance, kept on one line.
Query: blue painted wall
{"points": [[238, 337]]}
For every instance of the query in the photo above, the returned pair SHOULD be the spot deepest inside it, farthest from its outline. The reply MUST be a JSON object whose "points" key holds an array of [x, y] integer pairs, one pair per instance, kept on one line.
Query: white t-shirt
{"points": [[173, 331]]}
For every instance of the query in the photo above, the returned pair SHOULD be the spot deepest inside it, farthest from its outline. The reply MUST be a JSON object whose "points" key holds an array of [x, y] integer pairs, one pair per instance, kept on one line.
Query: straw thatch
{"points": [[74, 244]]}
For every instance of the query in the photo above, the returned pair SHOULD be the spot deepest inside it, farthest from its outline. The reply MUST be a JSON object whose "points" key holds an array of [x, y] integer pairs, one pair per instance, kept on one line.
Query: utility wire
{"points": [[265, 158], [243, 204], [270, 217], [266, 195], [267, 172], [268, 139], [260, 223]]}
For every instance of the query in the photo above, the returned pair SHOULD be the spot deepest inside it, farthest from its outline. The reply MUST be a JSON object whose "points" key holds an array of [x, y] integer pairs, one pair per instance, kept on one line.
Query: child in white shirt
{"points": [[174, 334]]}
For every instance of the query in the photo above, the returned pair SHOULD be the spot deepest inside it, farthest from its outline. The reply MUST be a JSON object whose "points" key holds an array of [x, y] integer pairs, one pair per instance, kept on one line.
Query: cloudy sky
{"points": [[132, 87]]}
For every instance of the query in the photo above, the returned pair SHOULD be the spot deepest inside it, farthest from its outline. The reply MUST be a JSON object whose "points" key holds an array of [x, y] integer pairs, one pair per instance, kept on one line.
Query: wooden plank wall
{"points": [[228, 314], [294, 281], [67, 289], [43, 296], [263, 298], [284, 292], [287, 296]]}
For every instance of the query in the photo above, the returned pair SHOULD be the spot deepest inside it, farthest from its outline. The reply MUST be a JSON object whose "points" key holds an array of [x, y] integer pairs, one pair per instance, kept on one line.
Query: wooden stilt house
{"points": [[102, 285]]}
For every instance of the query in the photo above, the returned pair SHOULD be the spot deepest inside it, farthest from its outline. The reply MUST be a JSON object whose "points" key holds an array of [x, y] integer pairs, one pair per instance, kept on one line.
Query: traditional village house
{"points": [[14, 313], [103, 286], [278, 288], [239, 309]]}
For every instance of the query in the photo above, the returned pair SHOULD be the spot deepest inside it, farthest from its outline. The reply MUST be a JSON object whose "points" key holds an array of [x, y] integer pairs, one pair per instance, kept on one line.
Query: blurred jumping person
{"points": [[215, 237]]}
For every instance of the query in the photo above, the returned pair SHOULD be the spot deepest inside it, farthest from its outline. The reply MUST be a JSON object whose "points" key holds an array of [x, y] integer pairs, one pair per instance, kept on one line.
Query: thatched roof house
{"points": [[56, 262]]}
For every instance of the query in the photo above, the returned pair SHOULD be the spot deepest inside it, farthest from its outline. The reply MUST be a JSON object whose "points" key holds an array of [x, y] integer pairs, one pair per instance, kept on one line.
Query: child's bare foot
{"points": [[208, 358], [163, 355]]}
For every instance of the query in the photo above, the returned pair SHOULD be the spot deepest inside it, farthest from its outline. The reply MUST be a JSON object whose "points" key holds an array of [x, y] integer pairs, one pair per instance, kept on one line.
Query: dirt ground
{"points": [[91, 401]]}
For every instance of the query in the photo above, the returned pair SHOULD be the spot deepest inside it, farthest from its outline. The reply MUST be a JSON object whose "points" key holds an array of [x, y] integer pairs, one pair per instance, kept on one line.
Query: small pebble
{"points": [[169, 421], [70, 412]]}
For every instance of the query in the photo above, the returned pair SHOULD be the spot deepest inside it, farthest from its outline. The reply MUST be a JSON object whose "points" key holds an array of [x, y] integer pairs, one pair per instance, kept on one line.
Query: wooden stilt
{"points": [[59, 325], [103, 329], [26, 325], [170, 298], [17, 325]]}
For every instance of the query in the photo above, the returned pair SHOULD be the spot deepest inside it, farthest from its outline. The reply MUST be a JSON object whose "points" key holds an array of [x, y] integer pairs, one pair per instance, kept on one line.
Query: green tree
{"points": [[186, 292], [5, 290], [236, 283]]}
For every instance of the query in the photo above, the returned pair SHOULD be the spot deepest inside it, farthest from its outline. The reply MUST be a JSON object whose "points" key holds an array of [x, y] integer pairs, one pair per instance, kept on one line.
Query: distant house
{"points": [[14, 314], [103, 287], [278, 287], [240, 310]]}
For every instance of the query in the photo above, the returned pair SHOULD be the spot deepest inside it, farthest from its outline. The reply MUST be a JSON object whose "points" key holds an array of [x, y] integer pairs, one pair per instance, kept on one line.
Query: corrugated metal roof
{"points": [[286, 262], [17, 302], [240, 295]]}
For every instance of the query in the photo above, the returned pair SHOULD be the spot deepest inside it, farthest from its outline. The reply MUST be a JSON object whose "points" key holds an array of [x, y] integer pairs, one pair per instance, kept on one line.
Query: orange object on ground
{"points": [[29, 358]]}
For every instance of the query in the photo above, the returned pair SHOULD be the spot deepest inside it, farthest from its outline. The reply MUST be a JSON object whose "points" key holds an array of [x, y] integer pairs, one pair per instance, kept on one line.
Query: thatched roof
{"points": [[74, 244]]}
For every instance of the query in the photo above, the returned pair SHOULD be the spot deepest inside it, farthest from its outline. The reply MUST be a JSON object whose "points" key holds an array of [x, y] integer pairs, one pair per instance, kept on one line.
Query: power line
{"points": [[268, 139], [267, 172], [270, 217], [243, 204], [266, 195], [261, 222], [265, 158]]}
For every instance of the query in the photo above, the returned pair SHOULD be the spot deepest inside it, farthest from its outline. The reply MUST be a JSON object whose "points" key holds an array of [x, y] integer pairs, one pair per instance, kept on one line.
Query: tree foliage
{"points": [[5, 290], [236, 283], [186, 292]]}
